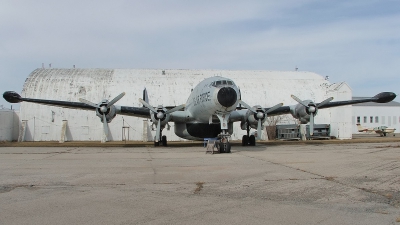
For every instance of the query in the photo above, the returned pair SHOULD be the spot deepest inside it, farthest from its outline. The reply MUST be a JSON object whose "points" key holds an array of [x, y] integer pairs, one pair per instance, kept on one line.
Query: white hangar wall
{"points": [[166, 87], [9, 125], [388, 115]]}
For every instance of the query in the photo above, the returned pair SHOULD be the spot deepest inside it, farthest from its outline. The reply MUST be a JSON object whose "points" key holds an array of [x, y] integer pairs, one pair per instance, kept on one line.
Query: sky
{"points": [[356, 41]]}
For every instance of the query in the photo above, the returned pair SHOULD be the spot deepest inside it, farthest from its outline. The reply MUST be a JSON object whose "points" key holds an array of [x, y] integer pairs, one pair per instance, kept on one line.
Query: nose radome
{"points": [[227, 96]]}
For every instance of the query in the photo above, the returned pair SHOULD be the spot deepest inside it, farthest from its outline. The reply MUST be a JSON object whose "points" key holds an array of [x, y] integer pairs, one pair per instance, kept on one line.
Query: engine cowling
{"points": [[161, 115], [110, 112], [253, 117], [302, 113]]}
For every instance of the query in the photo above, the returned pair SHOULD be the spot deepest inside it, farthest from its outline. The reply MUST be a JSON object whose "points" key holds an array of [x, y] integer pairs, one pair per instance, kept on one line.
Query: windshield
{"points": [[220, 83]]}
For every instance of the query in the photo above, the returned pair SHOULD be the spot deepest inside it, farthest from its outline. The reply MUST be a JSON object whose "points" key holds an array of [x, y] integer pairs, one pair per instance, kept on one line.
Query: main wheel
{"points": [[245, 140], [156, 142], [252, 140], [228, 148], [164, 140]]}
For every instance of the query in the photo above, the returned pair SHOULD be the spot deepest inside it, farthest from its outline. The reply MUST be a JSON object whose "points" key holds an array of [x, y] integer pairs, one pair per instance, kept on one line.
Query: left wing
{"points": [[304, 110], [382, 97]]}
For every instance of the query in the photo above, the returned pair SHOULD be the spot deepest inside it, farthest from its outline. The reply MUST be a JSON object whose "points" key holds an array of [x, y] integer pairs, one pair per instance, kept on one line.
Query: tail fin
{"points": [[145, 96], [360, 128]]}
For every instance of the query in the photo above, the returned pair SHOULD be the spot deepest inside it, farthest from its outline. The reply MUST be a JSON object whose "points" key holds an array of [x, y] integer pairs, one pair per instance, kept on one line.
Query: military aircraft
{"points": [[381, 130], [210, 111]]}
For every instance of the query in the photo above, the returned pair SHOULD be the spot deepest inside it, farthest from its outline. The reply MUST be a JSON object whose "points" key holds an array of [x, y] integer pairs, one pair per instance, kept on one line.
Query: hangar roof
{"points": [[170, 86]]}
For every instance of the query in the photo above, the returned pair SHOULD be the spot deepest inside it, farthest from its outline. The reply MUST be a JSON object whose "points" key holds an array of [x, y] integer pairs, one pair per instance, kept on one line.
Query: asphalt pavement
{"points": [[314, 183]]}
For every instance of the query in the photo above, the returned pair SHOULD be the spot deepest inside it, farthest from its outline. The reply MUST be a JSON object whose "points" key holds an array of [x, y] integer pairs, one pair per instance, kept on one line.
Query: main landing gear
{"points": [[248, 140], [163, 140]]}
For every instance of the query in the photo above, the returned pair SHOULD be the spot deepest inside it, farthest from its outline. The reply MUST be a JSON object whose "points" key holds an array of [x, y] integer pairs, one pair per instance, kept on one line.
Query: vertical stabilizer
{"points": [[360, 128], [145, 96]]}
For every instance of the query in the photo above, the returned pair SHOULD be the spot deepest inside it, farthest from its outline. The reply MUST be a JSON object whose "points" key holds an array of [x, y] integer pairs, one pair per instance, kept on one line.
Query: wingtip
{"points": [[12, 97], [385, 97]]}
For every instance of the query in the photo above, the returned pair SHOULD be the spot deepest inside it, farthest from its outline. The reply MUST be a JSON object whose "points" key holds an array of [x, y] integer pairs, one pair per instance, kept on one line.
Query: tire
{"points": [[164, 140], [252, 140], [228, 148], [245, 140], [156, 144]]}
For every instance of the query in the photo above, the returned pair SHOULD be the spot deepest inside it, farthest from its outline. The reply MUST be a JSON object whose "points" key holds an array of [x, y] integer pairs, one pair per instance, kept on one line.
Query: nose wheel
{"points": [[224, 146]]}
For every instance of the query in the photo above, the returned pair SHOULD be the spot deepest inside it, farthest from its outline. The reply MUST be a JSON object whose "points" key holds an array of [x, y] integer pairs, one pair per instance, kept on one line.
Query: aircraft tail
{"points": [[360, 128], [145, 96]]}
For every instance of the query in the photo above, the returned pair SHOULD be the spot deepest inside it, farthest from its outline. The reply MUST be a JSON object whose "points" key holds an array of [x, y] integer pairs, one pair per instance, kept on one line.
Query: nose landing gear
{"points": [[224, 146]]}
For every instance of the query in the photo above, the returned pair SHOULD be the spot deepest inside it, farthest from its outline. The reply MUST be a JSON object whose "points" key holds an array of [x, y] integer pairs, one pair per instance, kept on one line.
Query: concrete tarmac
{"points": [[349, 183]]}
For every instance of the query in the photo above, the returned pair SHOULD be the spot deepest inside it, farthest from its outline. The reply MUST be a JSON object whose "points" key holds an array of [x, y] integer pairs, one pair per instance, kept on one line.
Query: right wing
{"points": [[13, 97]]}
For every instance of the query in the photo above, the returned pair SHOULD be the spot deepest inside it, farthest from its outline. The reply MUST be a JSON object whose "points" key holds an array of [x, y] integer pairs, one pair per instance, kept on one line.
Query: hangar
{"points": [[166, 87], [372, 114]]}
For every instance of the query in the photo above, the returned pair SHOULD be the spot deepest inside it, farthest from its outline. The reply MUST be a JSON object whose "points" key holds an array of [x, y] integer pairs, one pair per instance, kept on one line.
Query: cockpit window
{"points": [[222, 83]]}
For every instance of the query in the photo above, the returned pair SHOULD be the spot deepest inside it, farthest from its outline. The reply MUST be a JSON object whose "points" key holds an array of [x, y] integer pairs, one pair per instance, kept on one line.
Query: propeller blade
{"points": [[88, 102], [105, 127], [147, 105], [325, 101], [116, 99], [312, 124], [158, 130], [274, 107], [259, 130], [247, 106], [298, 100], [179, 107]]}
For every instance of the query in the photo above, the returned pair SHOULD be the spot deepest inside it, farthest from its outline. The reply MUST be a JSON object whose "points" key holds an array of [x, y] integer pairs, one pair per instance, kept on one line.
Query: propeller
{"points": [[260, 114], [312, 109], [160, 114], [103, 108]]}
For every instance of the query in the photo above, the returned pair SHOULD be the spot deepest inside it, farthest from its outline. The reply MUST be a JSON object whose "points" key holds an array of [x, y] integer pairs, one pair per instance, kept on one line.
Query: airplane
{"points": [[209, 112], [381, 130]]}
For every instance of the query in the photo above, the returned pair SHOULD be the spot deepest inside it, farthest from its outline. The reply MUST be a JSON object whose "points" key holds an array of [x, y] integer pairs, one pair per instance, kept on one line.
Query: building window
{"points": [[358, 119], [376, 119], [365, 119], [383, 120], [371, 119], [394, 120]]}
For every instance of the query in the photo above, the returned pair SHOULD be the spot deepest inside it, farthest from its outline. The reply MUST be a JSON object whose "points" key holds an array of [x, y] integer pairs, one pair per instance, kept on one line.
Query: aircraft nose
{"points": [[227, 96]]}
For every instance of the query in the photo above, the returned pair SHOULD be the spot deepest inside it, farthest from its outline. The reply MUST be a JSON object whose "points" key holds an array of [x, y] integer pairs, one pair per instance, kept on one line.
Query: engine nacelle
{"points": [[302, 113], [110, 113], [252, 118], [160, 115]]}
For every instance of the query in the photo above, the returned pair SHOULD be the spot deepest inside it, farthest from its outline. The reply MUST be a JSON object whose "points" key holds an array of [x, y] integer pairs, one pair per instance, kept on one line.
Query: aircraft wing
{"points": [[14, 97], [382, 97]]}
